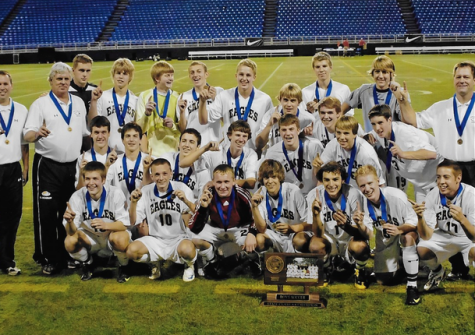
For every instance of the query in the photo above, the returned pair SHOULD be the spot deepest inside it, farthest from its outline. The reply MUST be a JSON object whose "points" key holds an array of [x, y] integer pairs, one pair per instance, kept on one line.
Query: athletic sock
{"points": [[326, 261], [121, 257], [81, 255], [361, 264], [432, 264], [207, 254], [189, 262], [144, 259], [410, 259]]}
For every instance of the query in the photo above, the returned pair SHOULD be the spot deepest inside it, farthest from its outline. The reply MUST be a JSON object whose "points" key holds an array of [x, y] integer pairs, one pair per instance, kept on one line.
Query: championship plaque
{"points": [[295, 270]]}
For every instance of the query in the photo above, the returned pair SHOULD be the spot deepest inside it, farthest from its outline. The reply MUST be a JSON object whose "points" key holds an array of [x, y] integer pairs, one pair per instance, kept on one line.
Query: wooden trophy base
{"points": [[305, 299]]}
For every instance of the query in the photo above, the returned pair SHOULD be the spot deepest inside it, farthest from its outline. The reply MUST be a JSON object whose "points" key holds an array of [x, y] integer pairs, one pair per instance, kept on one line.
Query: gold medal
{"points": [[460, 141], [7, 141], [301, 185], [70, 129], [119, 130]]}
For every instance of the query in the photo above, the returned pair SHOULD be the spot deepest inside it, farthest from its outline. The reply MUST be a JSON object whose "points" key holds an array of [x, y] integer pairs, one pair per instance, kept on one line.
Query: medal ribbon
{"points": [[66, 118], [375, 96], [461, 127], [238, 165], [101, 204], [176, 172], [329, 90], [330, 204], [389, 156], [299, 172], [220, 208], [165, 106], [352, 160], [384, 213], [168, 195], [443, 199], [193, 93], [238, 107], [271, 216], [131, 184], [5, 127], [120, 116], [93, 153], [282, 112]]}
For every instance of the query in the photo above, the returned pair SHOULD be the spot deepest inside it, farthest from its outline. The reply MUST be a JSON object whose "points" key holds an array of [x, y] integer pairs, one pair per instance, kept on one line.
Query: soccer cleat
{"points": [[155, 272], [434, 280], [189, 273], [123, 276], [454, 276], [86, 272], [327, 275], [74, 264], [412, 296], [360, 279], [49, 269], [13, 271]]}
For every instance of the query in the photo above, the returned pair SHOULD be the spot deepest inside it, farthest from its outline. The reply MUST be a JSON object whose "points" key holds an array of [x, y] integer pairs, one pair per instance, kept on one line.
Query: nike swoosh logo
{"points": [[417, 300], [249, 43], [409, 40]]}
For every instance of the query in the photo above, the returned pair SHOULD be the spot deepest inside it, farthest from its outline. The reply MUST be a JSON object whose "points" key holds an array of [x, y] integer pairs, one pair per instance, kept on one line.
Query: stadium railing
{"points": [[228, 54]]}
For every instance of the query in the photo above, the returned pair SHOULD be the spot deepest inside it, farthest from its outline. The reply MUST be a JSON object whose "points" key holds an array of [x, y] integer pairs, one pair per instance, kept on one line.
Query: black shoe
{"points": [[49, 269], [86, 269], [360, 279], [412, 296], [74, 264], [327, 275], [454, 276], [123, 276]]}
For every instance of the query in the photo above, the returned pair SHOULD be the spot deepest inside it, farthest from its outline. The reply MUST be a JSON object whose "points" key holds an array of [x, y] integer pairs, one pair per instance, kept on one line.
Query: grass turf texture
{"points": [[35, 304]]}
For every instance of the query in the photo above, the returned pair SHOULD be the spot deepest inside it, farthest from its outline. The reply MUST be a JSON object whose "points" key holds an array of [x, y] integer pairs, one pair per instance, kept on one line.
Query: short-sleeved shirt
{"points": [[324, 136], [88, 157], [11, 152], [339, 91]]}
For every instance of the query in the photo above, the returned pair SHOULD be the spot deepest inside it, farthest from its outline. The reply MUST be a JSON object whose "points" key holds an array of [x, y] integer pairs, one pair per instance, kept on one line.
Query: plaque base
{"points": [[294, 299]]}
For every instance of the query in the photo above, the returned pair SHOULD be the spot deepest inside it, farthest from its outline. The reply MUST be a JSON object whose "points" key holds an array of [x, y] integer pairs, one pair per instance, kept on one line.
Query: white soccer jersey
{"points": [[363, 96], [197, 179], [305, 119], [324, 136], [399, 211], [440, 117], [365, 154], [294, 209], [10, 146], [88, 157], [352, 196], [339, 91], [211, 159], [163, 213], [437, 215], [421, 173], [224, 107], [106, 107], [115, 174], [311, 148], [209, 132], [113, 209]]}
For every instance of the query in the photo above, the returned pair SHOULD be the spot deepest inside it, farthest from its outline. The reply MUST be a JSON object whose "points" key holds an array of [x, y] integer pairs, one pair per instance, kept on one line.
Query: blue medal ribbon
{"points": [[282, 112], [220, 208], [238, 107], [169, 195], [131, 183], [329, 203], [443, 198], [176, 172], [461, 127], [238, 165], [101, 204], [384, 213], [389, 156], [375, 96], [329, 90], [93, 153], [271, 216], [120, 116], [165, 106], [193, 93], [6, 127], [299, 172], [352, 160], [66, 118]]}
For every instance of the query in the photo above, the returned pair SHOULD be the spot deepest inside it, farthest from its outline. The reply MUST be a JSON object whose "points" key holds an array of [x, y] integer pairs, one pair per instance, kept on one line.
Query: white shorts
{"points": [[218, 236], [163, 249], [387, 258], [444, 246], [98, 242], [281, 242], [340, 248]]}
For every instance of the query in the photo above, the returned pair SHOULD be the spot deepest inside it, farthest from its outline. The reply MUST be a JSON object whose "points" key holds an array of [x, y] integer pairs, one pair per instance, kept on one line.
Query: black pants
{"points": [[11, 200], [53, 185]]}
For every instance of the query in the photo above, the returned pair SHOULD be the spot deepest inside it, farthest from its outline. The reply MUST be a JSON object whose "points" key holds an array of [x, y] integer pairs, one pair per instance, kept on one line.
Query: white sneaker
{"points": [[13, 271], [189, 273], [434, 280], [155, 271]]}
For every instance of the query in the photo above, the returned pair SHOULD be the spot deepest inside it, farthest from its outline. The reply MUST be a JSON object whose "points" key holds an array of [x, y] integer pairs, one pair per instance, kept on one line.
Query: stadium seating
{"points": [[445, 16], [338, 17], [5, 8], [58, 21], [190, 19]]}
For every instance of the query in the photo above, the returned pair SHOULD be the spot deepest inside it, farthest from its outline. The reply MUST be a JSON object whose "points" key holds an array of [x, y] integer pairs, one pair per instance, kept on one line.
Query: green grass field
{"points": [[35, 304]]}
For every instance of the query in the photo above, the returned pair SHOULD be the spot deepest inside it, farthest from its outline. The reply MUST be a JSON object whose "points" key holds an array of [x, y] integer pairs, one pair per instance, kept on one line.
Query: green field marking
{"points": [[270, 76], [364, 76], [34, 287], [152, 288], [428, 67]]}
